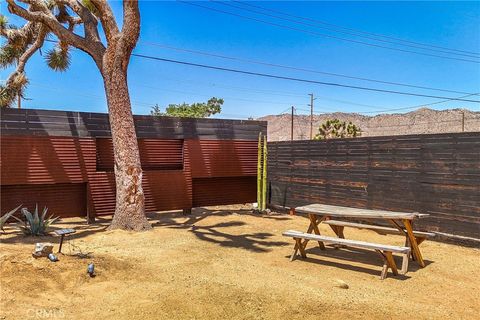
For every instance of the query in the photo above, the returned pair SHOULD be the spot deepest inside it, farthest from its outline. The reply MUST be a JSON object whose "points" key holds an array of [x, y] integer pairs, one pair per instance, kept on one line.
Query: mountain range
{"points": [[421, 121]]}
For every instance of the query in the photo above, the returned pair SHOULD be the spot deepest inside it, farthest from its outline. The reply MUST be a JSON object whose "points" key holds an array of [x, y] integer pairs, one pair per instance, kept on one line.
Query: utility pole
{"points": [[311, 114], [463, 121], [291, 131]]}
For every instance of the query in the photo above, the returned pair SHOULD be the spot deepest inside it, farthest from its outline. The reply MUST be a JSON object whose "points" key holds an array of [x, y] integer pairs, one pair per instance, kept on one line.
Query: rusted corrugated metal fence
{"points": [[64, 160], [435, 174]]}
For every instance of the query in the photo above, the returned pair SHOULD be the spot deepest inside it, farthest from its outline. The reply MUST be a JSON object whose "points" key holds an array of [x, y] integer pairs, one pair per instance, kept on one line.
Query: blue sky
{"points": [[448, 24]]}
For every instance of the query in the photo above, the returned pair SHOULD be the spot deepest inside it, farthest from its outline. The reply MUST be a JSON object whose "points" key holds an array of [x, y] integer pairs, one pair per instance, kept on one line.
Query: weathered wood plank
{"points": [[346, 242]]}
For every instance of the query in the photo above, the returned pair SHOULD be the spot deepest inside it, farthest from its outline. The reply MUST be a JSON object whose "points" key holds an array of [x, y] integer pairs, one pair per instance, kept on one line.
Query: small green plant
{"points": [[334, 128], [35, 224], [6, 216]]}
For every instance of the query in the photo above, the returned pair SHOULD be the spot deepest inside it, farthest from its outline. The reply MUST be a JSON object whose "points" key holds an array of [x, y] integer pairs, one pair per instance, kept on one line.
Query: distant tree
{"points": [[194, 110], [334, 128]]}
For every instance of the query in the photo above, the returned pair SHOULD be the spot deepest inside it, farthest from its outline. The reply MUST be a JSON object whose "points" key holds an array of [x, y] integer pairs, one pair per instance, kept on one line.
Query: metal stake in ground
{"points": [[62, 233]]}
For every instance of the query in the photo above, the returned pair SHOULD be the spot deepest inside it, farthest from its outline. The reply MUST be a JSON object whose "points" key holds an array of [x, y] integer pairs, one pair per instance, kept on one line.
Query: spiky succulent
{"points": [[6, 216], [35, 224]]}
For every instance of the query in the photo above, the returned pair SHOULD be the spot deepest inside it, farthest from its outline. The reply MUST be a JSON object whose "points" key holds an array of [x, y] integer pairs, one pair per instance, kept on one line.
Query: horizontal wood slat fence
{"points": [[64, 160], [436, 174]]}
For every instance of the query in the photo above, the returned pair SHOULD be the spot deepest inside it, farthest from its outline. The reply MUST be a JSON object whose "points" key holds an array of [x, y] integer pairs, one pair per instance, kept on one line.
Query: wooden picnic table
{"points": [[401, 220]]}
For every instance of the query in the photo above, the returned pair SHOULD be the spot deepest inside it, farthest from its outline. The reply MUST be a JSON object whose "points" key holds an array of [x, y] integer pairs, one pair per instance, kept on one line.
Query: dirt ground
{"points": [[227, 264]]}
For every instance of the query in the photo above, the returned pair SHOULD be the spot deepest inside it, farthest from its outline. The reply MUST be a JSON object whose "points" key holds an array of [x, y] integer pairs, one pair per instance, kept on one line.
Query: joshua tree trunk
{"points": [[130, 201]]}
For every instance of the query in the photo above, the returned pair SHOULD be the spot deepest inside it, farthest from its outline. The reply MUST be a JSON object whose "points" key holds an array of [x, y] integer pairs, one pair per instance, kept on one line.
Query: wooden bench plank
{"points": [[380, 229], [347, 242]]}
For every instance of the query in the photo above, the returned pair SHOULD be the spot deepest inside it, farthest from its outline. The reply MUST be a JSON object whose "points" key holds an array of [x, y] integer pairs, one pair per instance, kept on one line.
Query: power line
{"points": [[348, 102], [206, 95], [94, 96], [295, 68], [278, 93], [420, 105], [357, 32], [270, 92], [349, 33], [395, 109], [302, 69], [237, 88], [297, 79], [321, 34]]}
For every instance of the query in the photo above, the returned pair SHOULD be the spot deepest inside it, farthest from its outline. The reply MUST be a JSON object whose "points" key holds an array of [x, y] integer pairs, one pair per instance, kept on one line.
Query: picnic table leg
{"points": [[413, 242], [338, 230], [298, 246], [407, 241], [388, 262], [314, 221]]}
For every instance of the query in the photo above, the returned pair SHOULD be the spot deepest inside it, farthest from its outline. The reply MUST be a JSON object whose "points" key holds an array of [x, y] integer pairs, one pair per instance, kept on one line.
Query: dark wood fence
{"points": [[64, 160], [435, 174]]}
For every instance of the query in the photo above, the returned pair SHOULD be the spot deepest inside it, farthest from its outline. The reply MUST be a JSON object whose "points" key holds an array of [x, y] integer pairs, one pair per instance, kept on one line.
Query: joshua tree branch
{"points": [[107, 19], [130, 29], [37, 44], [38, 12], [89, 21]]}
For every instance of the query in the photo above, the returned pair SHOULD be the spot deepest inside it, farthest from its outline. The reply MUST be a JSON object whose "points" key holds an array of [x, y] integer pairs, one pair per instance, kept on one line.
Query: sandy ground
{"points": [[225, 264]]}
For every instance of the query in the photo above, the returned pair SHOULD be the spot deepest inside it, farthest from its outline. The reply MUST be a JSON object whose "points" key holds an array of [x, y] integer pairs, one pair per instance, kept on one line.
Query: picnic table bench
{"points": [[384, 250], [402, 222], [337, 227]]}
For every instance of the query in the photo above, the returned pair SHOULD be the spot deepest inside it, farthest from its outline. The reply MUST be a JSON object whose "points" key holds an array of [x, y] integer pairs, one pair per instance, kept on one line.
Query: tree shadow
{"points": [[256, 242], [169, 219]]}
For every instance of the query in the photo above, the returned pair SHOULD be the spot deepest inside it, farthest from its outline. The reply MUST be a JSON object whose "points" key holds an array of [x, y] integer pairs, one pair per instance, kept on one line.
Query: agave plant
{"points": [[6, 216], [36, 224]]}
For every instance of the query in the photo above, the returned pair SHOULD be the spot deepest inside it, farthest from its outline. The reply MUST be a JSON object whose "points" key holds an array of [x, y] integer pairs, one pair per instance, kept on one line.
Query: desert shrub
{"points": [[36, 224]]}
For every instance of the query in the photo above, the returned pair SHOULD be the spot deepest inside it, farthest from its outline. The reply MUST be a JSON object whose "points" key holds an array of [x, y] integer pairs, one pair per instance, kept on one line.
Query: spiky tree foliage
{"points": [[334, 128], [61, 21], [194, 110]]}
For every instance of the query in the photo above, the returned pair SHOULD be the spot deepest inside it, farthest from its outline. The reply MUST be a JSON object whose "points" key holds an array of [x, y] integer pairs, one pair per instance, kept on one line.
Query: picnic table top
{"points": [[348, 212]]}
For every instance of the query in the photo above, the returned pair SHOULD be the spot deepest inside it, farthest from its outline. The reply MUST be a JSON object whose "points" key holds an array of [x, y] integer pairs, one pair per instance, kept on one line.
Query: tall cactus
{"points": [[259, 172], [264, 176]]}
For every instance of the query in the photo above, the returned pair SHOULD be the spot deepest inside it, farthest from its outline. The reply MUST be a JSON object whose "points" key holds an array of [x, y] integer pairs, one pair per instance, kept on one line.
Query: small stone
{"points": [[341, 284], [42, 249]]}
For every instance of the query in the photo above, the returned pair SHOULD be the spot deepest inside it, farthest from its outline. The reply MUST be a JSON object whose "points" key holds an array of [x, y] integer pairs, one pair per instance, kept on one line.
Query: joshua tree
{"points": [[335, 128], [60, 19]]}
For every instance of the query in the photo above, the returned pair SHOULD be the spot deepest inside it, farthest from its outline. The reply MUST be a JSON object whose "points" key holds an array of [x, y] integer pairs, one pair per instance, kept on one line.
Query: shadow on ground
{"points": [[216, 233]]}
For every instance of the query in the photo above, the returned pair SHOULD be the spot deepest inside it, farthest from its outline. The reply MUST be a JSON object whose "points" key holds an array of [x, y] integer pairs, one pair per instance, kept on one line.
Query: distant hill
{"points": [[421, 121]]}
